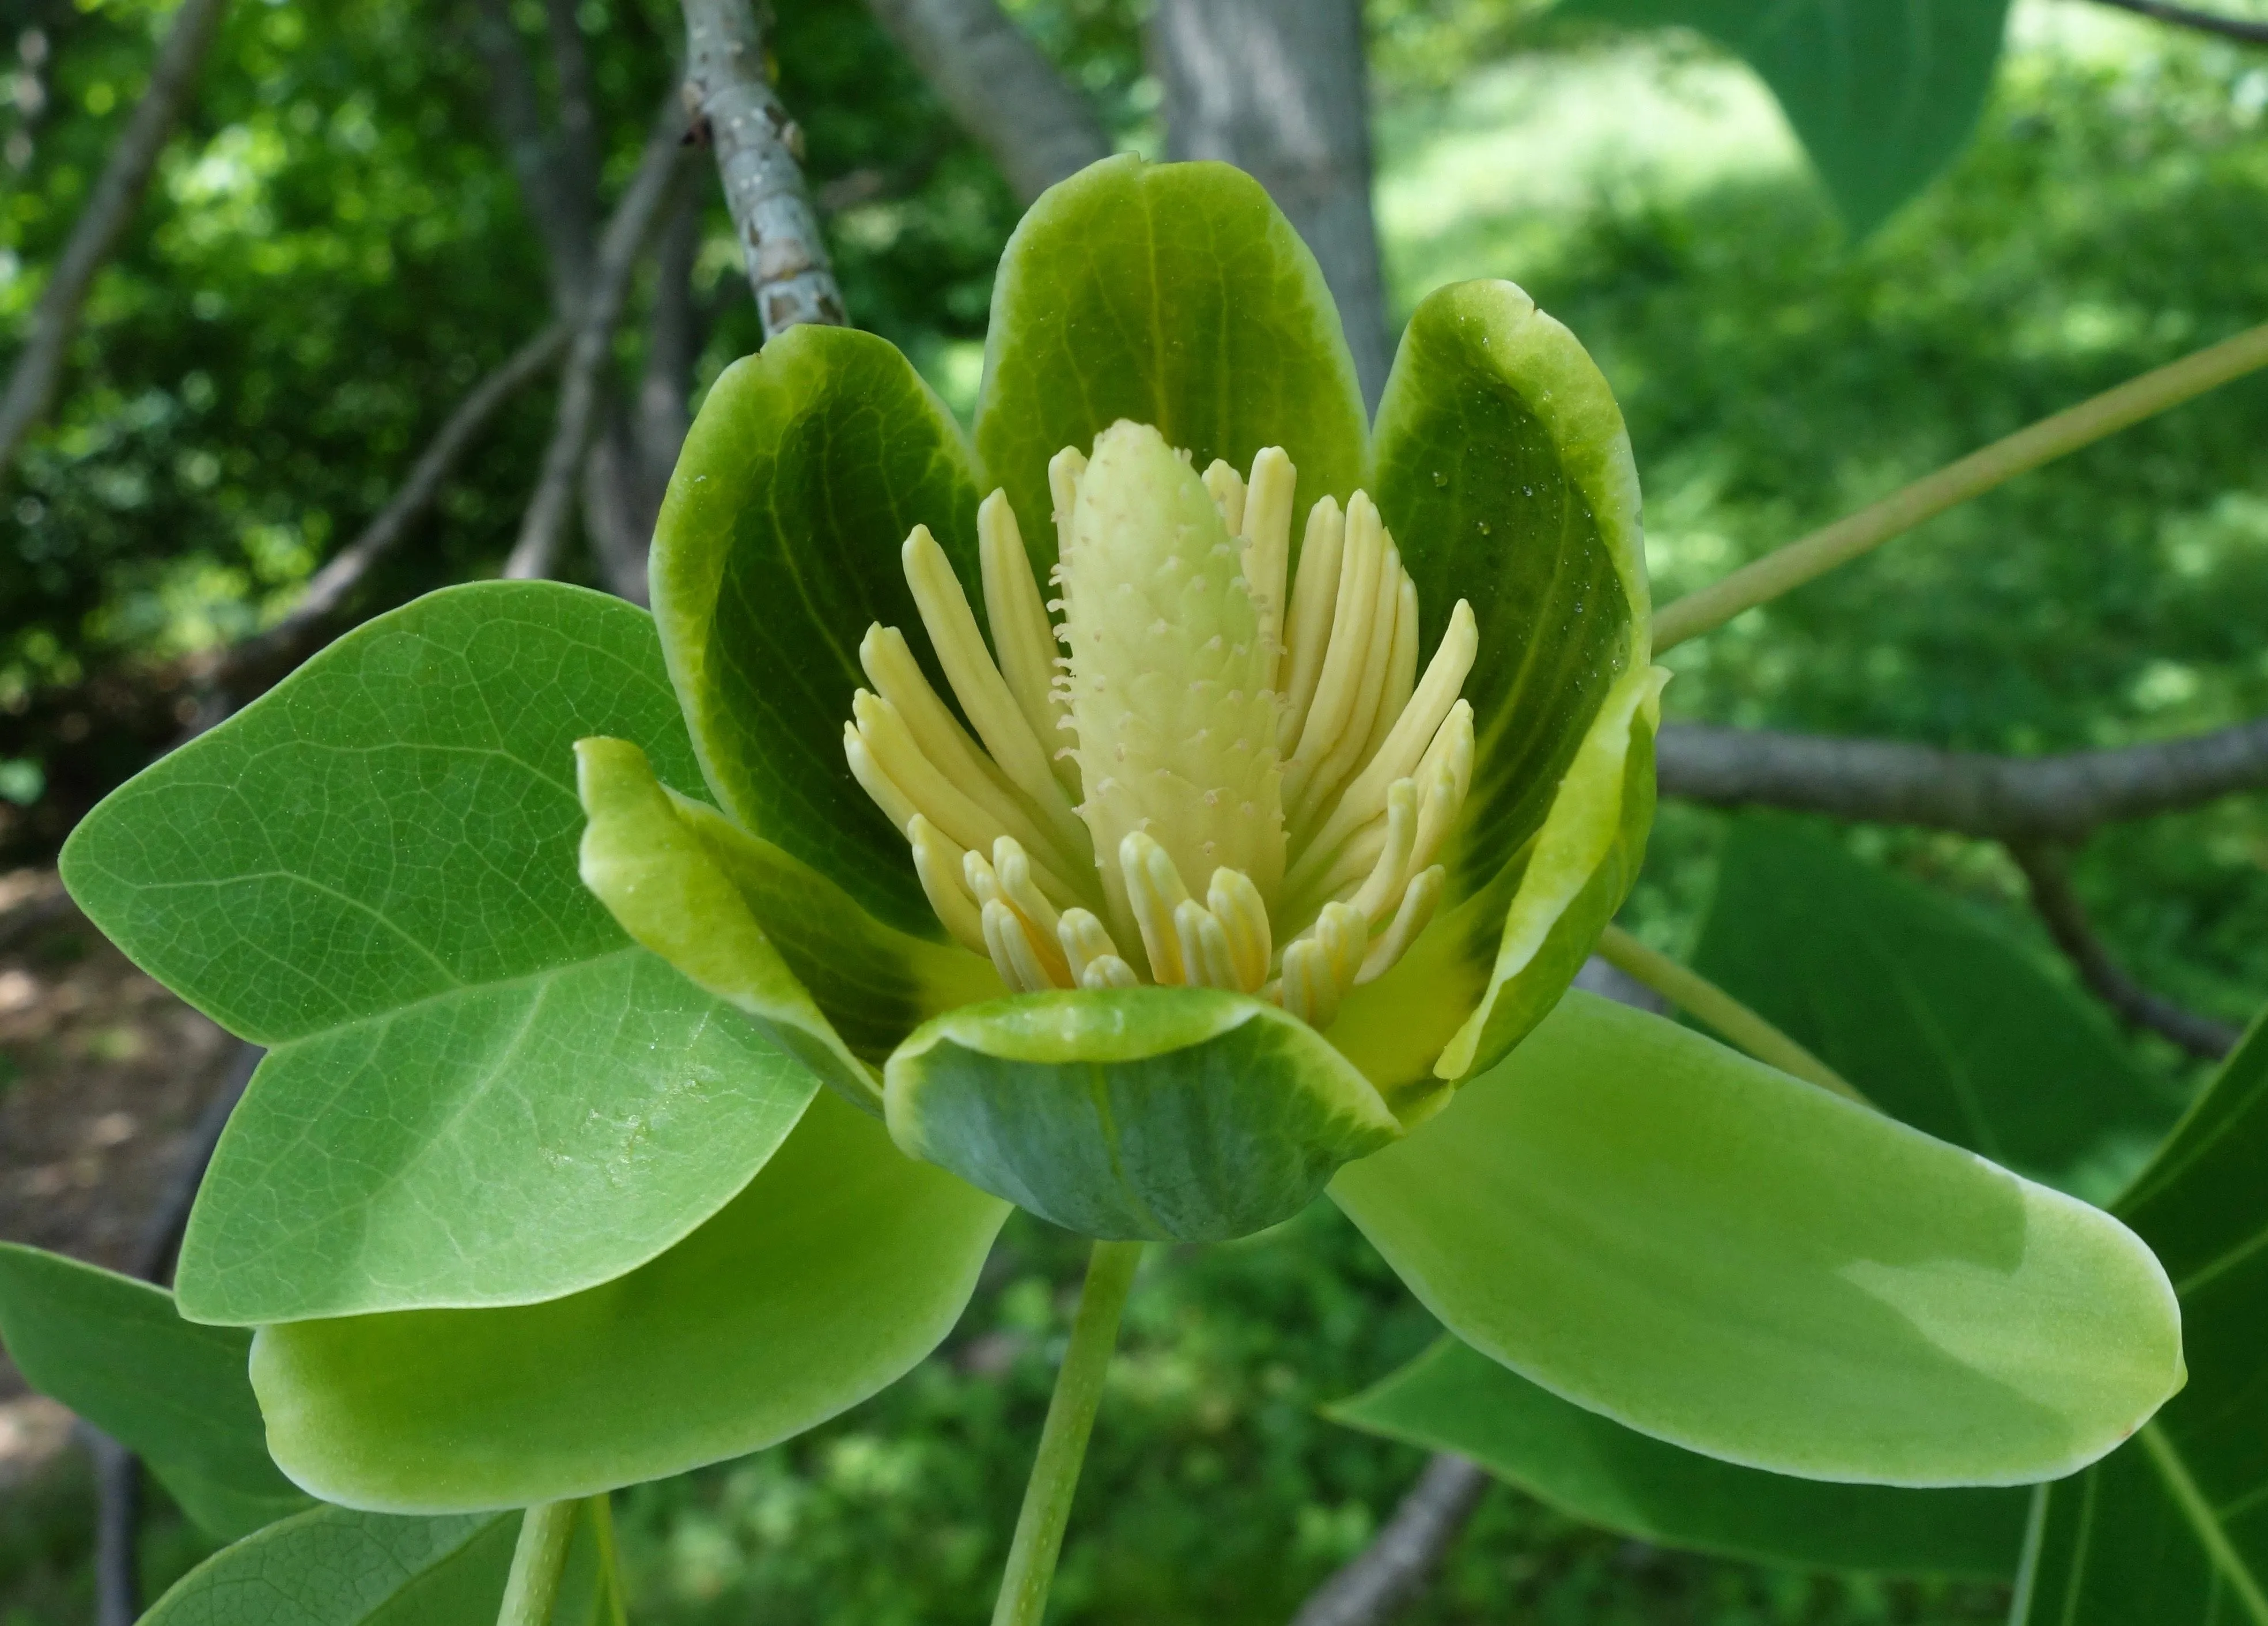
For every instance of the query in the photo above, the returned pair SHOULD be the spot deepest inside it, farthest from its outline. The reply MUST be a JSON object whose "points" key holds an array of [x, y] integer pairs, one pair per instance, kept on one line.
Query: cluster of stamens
{"points": [[1202, 719]]}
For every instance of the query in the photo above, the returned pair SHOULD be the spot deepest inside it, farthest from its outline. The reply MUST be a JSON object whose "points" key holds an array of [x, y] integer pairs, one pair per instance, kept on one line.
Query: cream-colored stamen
{"points": [[1215, 714]]}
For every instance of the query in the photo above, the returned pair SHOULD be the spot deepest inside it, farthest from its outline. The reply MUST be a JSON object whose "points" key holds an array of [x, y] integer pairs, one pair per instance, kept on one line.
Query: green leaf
{"points": [[841, 1265], [777, 548], [1178, 296], [2173, 1529], [1718, 1255], [1182, 1113], [1452, 1398], [333, 1567], [116, 1352], [1941, 1022], [478, 1091], [1881, 92]]}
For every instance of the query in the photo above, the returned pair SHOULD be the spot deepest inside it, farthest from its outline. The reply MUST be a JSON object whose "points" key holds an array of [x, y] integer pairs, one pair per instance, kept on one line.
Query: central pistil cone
{"points": [[1198, 717]]}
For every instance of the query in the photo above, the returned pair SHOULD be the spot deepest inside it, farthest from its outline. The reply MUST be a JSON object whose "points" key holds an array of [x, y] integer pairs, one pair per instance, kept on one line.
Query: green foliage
{"points": [[840, 1264], [371, 871], [2170, 1527], [1745, 1265], [1882, 95], [1940, 1021], [117, 1352], [1590, 1467]]}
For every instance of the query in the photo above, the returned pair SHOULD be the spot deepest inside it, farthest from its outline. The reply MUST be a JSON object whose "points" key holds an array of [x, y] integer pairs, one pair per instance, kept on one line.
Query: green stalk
{"points": [[2026, 449], [1063, 1441], [1698, 997], [610, 1572], [532, 1590]]}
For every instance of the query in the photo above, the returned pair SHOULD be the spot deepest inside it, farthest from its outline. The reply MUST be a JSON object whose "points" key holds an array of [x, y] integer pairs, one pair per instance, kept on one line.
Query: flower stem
{"points": [[1063, 1441], [1980, 472], [610, 1571], [1701, 998], [536, 1563]]}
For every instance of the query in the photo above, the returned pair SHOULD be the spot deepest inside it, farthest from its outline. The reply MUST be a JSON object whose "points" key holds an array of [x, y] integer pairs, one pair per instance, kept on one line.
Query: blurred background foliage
{"points": [[335, 251]]}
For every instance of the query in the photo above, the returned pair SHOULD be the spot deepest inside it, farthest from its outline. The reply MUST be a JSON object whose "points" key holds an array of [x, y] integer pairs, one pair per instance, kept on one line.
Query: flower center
{"points": [[1204, 725]]}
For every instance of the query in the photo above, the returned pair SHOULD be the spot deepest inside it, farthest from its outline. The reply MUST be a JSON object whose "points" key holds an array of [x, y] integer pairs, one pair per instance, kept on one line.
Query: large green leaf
{"points": [[2173, 1529], [1176, 295], [477, 1090], [1724, 1258], [1188, 1114], [777, 548], [842, 1264], [1453, 1398], [1881, 92], [332, 1567], [1938, 1019], [116, 1352]]}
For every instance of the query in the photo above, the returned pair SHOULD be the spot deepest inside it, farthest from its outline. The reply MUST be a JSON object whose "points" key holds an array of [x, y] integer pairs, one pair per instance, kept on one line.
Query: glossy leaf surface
{"points": [[116, 1352], [776, 550], [477, 1090], [1718, 1255], [1881, 92], [1176, 295], [1180, 1114], [842, 1265], [1590, 1467], [2173, 1528], [1941, 1022]]}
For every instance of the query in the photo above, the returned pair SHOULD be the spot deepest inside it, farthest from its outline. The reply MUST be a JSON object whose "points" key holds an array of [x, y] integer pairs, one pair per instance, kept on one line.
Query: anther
{"points": [[1418, 900], [937, 863]]}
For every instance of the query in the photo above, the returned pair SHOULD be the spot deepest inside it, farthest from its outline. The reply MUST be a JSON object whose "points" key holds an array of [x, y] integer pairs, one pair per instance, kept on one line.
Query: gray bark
{"points": [[117, 193], [1397, 1565], [1279, 89], [1004, 91]]}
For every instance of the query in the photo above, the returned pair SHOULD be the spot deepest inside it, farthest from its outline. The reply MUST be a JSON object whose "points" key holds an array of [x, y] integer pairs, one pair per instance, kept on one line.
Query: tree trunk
{"points": [[1279, 88]]}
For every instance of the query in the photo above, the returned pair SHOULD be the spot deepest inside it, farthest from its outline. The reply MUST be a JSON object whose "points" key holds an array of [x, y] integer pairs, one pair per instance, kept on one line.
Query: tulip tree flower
{"points": [[1190, 799]]}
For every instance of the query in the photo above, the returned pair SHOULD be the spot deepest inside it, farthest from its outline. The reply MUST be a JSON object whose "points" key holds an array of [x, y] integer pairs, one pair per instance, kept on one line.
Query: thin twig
{"points": [[627, 233], [561, 216], [109, 208], [2204, 22], [759, 156], [117, 1529], [2059, 908], [1813, 556], [1397, 1565], [2006, 798], [1001, 86]]}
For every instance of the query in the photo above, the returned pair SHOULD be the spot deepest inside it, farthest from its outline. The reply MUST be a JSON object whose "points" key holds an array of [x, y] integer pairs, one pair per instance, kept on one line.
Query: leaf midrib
{"points": [[2204, 1523]]}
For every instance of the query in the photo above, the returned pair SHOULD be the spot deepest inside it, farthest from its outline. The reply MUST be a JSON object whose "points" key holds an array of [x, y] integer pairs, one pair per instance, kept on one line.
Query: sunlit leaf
{"points": [[477, 1090], [1718, 1255], [1881, 92]]}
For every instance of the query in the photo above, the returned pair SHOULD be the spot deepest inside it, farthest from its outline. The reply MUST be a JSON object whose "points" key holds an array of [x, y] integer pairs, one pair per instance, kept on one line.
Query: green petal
{"points": [[1176, 295], [1453, 1398], [1481, 977], [776, 550], [663, 888], [1505, 472], [1724, 1258], [842, 1265], [117, 1352], [1181, 1114], [478, 1091], [875, 983]]}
